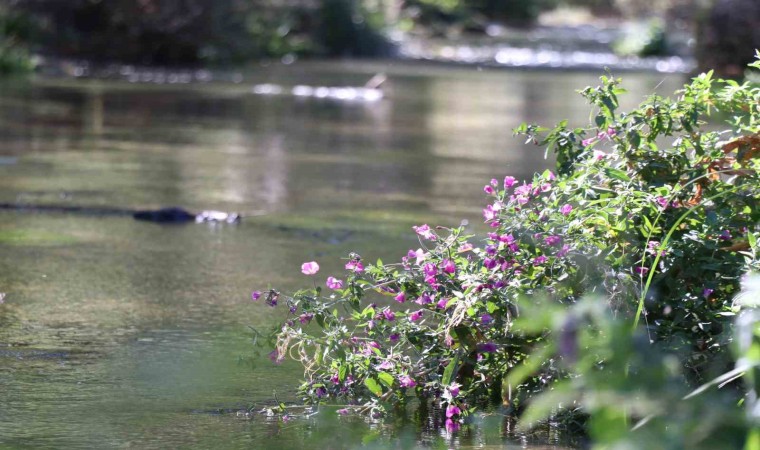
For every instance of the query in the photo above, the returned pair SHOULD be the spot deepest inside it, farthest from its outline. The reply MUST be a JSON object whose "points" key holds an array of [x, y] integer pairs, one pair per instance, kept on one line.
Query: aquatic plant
{"points": [[651, 218]]}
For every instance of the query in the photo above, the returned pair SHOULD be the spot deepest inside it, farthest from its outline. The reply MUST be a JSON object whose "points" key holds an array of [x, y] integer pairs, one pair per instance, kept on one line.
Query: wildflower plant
{"points": [[649, 210]]}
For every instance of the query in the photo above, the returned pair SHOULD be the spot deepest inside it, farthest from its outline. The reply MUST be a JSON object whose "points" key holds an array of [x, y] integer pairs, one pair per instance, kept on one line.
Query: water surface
{"points": [[116, 333]]}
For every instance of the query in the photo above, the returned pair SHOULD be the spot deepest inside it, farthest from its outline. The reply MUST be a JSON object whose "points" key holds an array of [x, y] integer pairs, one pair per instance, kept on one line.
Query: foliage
{"points": [[651, 213], [15, 31]]}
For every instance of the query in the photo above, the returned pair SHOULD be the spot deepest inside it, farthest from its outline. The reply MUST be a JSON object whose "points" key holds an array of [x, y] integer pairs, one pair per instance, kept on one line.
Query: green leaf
{"points": [[616, 174], [386, 379], [451, 371], [373, 386], [343, 372]]}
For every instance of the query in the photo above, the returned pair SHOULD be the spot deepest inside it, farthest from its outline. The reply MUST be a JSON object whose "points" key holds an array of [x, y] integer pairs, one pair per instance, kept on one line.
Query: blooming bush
{"points": [[648, 209]]}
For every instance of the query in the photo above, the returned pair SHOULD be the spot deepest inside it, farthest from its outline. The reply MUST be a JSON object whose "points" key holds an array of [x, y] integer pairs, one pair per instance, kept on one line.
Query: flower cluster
{"points": [[440, 323]]}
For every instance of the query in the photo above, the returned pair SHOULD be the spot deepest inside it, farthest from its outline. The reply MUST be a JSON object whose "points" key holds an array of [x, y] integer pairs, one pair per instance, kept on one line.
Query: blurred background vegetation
{"points": [[231, 32]]}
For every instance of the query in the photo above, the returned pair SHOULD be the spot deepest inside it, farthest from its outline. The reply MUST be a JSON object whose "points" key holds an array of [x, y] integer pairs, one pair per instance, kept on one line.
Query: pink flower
{"points": [[430, 269], [538, 260], [452, 425], [419, 254], [552, 240], [389, 315], [400, 297], [425, 232], [489, 213], [589, 141], [442, 303], [509, 182], [448, 266], [488, 189], [662, 201], [255, 295], [310, 268], [415, 316], [466, 247], [452, 410], [489, 263], [406, 381], [494, 182], [507, 239], [342, 412], [551, 176], [563, 251], [566, 209], [334, 283], [524, 190], [454, 389], [599, 155], [355, 266]]}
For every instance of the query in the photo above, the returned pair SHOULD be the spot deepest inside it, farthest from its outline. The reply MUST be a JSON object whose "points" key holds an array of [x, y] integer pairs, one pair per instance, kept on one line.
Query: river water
{"points": [[116, 333]]}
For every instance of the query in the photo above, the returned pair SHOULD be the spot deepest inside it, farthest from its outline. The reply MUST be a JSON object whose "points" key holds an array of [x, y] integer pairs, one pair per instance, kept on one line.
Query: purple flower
{"points": [[599, 155], [389, 315], [385, 365], [321, 392], [355, 266], [507, 239], [494, 182], [551, 176], [334, 283], [430, 269], [305, 318], [491, 249], [425, 232], [589, 141], [400, 297], [509, 182], [524, 190], [393, 338], [488, 347], [641, 270], [563, 251], [552, 240], [448, 266], [488, 189], [707, 292], [276, 357], [452, 425], [342, 412], [415, 316], [489, 263], [406, 381], [442, 303], [725, 235], [538, 260], [566, 209], [255, 295], [662, 201], [285, 418], [424, 299], [452, 410], [310, 268], [485, 319], [454, 389]]}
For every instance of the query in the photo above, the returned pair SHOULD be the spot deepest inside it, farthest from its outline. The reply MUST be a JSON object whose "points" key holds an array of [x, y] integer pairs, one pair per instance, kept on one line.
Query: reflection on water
{"points": [[118, 333]]}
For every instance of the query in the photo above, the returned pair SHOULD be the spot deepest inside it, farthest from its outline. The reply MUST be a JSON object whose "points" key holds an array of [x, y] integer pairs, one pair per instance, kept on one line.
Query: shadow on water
{"points": [[117, 333]]}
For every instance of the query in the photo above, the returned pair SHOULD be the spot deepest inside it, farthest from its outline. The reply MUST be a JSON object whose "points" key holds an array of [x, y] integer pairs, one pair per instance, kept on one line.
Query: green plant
{"points": [[650, 212]]}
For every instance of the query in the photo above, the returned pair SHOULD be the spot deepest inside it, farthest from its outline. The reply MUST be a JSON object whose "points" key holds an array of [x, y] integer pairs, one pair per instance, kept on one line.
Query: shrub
{"points": [[650, 210]]}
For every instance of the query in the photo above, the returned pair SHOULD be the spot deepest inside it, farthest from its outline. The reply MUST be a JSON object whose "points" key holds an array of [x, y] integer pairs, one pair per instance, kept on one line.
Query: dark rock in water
{"points": [[165, 215], [179, 215]]}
